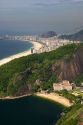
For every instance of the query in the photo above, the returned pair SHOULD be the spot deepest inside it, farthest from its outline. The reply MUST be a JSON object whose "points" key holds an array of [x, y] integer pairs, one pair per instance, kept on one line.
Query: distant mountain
{"points": [[48, 34], [77, 36]]}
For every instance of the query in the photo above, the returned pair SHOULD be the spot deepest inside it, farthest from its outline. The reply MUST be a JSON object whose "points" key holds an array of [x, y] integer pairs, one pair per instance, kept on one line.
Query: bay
{"points": [[12, 47], [29, 111]]}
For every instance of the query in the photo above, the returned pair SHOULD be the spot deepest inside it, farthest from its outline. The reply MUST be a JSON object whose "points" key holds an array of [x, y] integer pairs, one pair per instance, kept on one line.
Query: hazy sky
{"points": [[36, 16]]}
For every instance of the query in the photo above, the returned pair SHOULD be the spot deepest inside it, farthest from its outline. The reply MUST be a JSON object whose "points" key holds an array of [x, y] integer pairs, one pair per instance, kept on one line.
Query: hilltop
{"points": [[76, 36], [48, 34], [28, 74]]}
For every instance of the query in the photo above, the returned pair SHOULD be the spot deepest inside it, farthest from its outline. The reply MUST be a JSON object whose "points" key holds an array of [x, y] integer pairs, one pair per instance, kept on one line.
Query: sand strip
{"points": [[55, 97], [36, 45], [12, 98], [52, 96]]}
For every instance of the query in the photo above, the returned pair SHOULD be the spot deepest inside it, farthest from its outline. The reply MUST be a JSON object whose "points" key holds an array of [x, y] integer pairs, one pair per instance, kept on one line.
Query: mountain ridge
{"points": [[48, 34], [78, 36]]}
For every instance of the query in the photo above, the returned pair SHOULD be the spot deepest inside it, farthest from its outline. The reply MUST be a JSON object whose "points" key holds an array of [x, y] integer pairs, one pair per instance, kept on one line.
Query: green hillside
{"points": [[73, 117], [29, 74]]}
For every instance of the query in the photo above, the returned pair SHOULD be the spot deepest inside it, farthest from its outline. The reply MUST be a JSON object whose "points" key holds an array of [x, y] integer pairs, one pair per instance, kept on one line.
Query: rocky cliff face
{"points": [[69, 70]]}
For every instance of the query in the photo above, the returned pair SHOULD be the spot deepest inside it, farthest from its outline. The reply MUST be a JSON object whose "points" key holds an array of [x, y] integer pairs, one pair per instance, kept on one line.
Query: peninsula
{"points": [[53, 72]]}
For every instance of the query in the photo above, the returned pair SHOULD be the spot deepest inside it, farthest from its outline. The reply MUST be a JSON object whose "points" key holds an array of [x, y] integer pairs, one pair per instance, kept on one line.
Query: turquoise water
{"points": [[29, 111], [11, 47]]}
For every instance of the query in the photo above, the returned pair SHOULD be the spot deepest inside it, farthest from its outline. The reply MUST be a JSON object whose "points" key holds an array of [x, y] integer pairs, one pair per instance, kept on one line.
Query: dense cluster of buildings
{"points": [[48, 44], [53, 43]]}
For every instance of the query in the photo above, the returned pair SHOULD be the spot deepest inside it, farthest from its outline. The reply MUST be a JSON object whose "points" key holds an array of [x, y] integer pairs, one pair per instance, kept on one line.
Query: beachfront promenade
{"points": [[40, 45]]}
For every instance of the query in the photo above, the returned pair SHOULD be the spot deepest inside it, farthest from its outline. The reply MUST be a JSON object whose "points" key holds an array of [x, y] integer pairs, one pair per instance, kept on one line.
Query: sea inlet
{"points": [[29, 110]]}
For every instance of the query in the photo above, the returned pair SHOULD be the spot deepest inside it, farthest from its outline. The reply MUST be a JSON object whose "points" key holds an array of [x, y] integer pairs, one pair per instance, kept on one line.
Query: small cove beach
{"points": [[51, 97], [56, 98]]}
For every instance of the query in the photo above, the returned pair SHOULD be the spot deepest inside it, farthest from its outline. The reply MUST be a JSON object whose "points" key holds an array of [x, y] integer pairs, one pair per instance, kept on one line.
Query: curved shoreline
{"points": [[56, 98], [51, 97], [36, 45], [13, 98]]}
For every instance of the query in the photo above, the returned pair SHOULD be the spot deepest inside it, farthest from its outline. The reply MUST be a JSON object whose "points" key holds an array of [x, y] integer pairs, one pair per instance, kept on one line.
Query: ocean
{"points": [[29, 111], [12, 47]]}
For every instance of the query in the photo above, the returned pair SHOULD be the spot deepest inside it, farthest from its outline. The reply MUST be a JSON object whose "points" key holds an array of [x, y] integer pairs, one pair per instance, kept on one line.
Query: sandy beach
{"points": [[55, 97], [51, 96], [36, 45]]}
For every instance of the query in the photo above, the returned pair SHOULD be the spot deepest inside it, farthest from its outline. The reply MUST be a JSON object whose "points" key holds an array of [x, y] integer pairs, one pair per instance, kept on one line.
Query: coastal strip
{"points": [[14, 97], [51, 96], [36, 45], [56, 98]]}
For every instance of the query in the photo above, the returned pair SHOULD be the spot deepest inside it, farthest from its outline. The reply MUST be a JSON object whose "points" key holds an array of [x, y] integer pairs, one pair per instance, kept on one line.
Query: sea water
{"points": [[29, 111], [12, 47]]}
